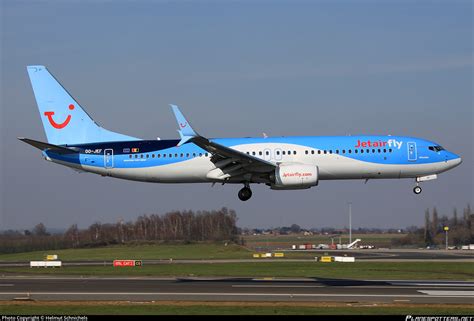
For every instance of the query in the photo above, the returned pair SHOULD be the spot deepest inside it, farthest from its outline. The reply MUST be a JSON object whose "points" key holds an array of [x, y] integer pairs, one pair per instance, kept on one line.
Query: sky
{"points": [[238, 69]]}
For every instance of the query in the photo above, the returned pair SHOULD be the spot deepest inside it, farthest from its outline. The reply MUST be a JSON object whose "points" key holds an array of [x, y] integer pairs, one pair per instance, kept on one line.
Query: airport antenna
{"points": [[350, 222]]}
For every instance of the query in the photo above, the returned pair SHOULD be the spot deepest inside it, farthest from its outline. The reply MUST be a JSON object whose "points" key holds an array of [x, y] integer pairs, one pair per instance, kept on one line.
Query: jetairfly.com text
{"points": [[297, 174]]}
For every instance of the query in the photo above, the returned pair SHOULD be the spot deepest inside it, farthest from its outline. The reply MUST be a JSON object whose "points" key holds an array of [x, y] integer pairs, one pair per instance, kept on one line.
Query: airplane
{"points": [[75, 140]]}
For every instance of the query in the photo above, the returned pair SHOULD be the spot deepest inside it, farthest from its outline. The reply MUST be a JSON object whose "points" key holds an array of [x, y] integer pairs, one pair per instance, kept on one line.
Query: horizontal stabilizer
{"points": [[45, 146]]}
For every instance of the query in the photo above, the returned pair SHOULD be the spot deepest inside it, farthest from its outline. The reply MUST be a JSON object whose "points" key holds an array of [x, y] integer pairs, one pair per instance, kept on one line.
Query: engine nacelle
{"points": [[295, 176]]}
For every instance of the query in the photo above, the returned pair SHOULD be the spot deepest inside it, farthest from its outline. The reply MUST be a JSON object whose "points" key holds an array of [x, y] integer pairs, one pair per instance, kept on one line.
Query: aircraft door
{"points": [[412, 154], [109, 158]]}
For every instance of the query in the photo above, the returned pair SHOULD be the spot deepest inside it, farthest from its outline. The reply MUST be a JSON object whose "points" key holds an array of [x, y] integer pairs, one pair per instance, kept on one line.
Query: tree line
{"points": [[460, 229], [182, 226]]}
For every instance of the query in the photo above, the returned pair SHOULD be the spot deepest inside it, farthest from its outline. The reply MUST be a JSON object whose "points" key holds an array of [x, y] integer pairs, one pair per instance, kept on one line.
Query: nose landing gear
{"points": [[417, 190], [245, 193]]}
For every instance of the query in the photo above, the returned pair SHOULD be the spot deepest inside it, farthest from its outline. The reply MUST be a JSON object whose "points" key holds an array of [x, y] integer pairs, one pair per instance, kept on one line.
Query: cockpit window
{"points": [[436, 148]]}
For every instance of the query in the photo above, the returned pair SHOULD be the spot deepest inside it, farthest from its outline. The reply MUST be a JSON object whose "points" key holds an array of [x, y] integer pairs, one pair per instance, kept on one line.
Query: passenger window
{"points": [[361, 151], [248, 153], [343, 151], [136, 156], [207, 154], [283, 153], [182, 155], [194, 154], [147, 156], [289, 152], [350, 151], [373, 151], [384, 150], [330, 151], [278, 152], [319, 151], [325, 152], [337, 151], [164, 155], [130, 156], [306, 152], [390, 150], [159, 155], [312, 152], [267, 152], [356, 151], [200, 154], [378, 150], [367, 150], [170, 155], [260, 153]]}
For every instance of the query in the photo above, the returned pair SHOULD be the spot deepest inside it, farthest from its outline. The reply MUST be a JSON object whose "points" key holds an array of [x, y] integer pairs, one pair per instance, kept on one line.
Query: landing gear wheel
{"points": [[245, 194], [417, 190]]}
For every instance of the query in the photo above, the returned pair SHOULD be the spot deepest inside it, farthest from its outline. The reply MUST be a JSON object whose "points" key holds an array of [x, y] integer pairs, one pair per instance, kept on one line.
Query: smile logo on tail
{"points": [[182, 126], [50, 114]]}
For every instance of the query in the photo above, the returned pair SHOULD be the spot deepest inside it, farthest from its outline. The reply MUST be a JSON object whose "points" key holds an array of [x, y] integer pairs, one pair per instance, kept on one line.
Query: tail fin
{"points": [[64, 120]]}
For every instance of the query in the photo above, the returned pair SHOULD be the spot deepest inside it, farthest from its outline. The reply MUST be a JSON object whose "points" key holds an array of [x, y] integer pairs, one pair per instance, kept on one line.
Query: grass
{"points": [[229, 308], [140, 252], [357, 270], [195, 250]]}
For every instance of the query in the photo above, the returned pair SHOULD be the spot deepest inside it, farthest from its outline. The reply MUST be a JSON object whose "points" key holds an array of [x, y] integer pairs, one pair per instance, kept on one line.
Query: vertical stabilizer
{"points": [[64, 120]]}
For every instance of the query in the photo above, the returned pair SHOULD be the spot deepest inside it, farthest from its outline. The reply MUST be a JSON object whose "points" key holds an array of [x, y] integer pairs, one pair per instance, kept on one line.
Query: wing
{"points": [[231, 164]]}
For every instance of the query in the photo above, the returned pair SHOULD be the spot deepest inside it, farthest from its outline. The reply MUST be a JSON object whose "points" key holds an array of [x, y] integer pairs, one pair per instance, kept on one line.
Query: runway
{"points": [[235, 289], [395, 255]]}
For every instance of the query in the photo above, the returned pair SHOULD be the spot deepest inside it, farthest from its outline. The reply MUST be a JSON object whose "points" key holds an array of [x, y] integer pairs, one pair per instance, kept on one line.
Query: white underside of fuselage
{"points": [[331, 167]]}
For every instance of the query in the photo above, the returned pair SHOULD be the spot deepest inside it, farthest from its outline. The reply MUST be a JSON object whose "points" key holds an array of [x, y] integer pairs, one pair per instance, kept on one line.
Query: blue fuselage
{"points": [[338, 157]]}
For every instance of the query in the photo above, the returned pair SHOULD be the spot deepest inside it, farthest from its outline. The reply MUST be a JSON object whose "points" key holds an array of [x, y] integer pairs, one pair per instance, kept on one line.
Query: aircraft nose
{"points": [[455, 160], [458, 161]]}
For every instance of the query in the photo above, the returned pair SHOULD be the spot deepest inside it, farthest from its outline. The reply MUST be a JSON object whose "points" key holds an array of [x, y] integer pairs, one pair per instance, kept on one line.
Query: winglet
{"points": [[185, 130]]}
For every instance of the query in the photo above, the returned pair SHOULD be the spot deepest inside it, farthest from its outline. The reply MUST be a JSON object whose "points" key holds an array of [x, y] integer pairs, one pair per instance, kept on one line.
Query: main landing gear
{"points": [[245, 193]]}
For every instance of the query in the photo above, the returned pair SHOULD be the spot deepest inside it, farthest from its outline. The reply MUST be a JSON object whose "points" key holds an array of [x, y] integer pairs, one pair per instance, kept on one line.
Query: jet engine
{"points": [[295, 176]]}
